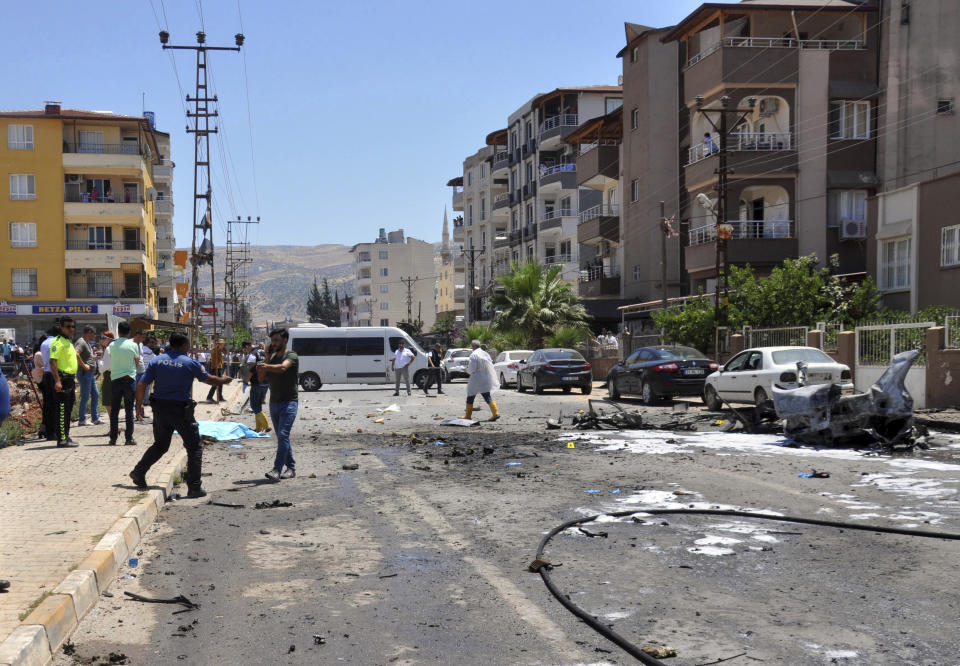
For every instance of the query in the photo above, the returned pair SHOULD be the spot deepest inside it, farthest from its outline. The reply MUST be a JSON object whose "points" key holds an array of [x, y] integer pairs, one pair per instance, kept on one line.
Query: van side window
{"points": [[320, 346], [365, 346]]}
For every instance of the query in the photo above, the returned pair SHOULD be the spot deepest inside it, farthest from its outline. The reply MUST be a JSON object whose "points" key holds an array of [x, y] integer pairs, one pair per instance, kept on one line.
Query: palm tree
{"points": [[534, 299]]}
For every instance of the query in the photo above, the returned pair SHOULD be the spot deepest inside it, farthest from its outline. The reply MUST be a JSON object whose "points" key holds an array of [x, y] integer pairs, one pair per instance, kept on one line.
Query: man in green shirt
{"points": [[64, 362], [282, 371], [124, 353]]}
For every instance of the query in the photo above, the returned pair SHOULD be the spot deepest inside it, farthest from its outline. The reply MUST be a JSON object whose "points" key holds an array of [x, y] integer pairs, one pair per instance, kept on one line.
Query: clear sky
{"points": [[359, 111]]}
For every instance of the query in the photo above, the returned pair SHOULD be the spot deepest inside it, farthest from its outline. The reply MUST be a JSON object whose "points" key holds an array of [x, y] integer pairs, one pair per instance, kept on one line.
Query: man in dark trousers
{"points": [[435, 371], [64, 362], [172, 374]]}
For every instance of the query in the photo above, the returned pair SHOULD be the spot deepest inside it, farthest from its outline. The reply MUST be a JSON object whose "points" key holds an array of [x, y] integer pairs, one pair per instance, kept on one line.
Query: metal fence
{"points": [[775, 337], [830, 338], [952, 324], [878, 344]]}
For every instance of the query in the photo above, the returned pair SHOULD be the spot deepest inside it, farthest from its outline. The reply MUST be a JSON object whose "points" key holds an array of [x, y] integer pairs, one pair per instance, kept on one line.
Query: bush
{"points": [[567, 336], [11, 432]]}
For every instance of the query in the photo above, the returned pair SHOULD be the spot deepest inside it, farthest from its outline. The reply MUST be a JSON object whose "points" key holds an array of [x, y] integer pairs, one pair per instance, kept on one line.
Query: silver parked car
{"points": [[454, 363]]}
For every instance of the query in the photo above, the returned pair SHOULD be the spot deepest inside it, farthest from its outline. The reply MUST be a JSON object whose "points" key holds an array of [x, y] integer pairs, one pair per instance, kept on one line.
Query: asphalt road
{"points": [[419, 555]]}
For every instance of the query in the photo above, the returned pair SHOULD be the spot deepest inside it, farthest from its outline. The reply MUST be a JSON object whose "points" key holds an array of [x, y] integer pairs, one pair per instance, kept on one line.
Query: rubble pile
{"points": [[24, 406]]}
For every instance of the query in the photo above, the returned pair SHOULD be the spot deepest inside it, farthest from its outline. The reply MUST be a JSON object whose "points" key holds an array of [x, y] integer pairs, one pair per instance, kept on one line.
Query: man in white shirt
{"points": [[46, 386], [401, 366]]}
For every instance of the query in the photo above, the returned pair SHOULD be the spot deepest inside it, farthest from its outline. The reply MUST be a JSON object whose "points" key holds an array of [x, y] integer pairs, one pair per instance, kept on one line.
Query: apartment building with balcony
{"points": [[381, 271], [913, 235], [80, 217], [170, 265], [798, 81]]}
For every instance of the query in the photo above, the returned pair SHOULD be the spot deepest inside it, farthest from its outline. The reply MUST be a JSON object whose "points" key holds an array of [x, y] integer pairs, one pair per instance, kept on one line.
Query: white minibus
{"points": [[352, 355]]}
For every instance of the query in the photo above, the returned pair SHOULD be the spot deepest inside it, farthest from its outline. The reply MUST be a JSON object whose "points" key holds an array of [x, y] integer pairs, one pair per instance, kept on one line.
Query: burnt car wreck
{"points": [[821, 414]]}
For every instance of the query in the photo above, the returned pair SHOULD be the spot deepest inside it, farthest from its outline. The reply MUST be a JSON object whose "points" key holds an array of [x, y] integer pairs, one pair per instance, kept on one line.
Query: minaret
{"points": [[445, 246]]}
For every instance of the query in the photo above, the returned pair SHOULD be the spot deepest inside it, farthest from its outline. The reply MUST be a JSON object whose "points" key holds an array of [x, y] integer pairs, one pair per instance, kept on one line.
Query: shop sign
{"points": [[64, 309]]}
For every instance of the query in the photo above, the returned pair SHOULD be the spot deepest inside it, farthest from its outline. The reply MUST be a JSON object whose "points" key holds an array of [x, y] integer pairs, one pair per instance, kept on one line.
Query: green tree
{"points": [[330, 309], [315, 311], [536, 300], [444, 323], [411, 328]]}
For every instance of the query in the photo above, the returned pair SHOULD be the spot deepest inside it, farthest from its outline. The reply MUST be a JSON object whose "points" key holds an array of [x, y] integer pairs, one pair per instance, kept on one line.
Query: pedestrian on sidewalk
{"points": [[64, 362], [400, 363], [105, 390], [258, 389], [244, 368], [87, 378], [46, 385], [435, 372], [483, 380], [124, 354], [283, 372], [139, 337], [216, 368], [172, 374]]}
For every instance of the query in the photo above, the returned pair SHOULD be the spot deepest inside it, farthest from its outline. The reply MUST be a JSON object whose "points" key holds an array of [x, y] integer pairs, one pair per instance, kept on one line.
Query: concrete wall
{"points": [[812, 102], [943, 371], [936, 285]]}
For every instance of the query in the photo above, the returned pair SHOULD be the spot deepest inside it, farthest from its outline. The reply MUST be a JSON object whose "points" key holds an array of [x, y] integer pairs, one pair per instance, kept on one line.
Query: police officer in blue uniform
{"points": [[172, 374]]}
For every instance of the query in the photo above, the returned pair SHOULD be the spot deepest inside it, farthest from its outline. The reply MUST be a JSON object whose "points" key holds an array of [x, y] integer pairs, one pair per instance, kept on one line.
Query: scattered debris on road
{"points": [[275, 504], [814, 474], [351, 467], [179, 599], [227, 505], [659, 651]]}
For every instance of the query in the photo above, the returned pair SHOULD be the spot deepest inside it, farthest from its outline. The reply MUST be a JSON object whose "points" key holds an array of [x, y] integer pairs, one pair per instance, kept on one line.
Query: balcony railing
{"points": [[557, 213], [105, 284], [501, 160], [502, 197], [557, 168], [600, 210], [745, 229], [559, 258], [107, 246], [101, 198], [741, 141], [126, 148], [779, 43], [587, 147], [590, 273], [563, 120]]}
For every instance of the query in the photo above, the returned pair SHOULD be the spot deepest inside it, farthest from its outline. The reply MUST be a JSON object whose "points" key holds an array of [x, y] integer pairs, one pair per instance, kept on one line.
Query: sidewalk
{"points": [[57, 504]]}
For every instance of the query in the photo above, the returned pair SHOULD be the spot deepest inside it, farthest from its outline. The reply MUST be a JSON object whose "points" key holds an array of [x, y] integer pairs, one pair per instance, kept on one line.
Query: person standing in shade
{"points": [[46, 385], [149, 350], [435, 372], [172, 374], [105, 391], [400, 363], [124, 355], [283, 373], [258, 389], [216, 368], [483, 380], [64, 362], [87, 377]]}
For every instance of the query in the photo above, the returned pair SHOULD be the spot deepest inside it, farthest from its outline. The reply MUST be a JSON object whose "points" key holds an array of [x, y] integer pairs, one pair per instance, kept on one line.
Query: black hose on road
{"points": [[631, 648]]}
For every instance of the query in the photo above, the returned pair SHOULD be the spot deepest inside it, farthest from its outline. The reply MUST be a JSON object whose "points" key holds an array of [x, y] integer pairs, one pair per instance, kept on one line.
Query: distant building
{"points": [[382, 271], [449, 281]]}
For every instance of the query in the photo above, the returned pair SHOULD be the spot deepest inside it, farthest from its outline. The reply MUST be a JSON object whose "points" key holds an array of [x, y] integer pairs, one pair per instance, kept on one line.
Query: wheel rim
{"points": [[310, 383]]}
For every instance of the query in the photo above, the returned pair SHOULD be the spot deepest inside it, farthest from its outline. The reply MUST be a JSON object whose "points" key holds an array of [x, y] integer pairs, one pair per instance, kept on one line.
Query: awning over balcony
{"points": [[599, 130], [455, 182], [498, 138]]}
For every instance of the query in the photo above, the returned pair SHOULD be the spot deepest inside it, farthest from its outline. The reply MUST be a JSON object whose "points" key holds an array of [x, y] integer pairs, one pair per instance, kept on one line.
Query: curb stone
{"points": [[41, 633]]}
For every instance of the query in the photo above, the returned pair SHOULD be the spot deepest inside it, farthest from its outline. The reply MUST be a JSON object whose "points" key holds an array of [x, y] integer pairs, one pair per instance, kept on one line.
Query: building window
{"points": [[611, 104], [23, 234], [950, 246], [384, 306], [383, 272], [483, 209], [20, 137], [483, 171], [469, 178], [636, 272], [384, 322], [529, 218], [634, 53], [635, 190], [895, 264], [470, 215], [22, 186], [384, 289], [635, 119], [384, 255], [944, 107], [24, 281], [849, 120], [846, 206]]}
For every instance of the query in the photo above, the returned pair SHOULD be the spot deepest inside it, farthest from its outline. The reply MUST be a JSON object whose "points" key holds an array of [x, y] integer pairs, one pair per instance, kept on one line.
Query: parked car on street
{"points": [[660, 372], [749, 376], [555, 368], [507, 363], [454, 363]]}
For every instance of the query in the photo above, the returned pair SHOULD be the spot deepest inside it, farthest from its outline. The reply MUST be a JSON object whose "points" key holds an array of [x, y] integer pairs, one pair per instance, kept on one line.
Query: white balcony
{"points": [[745, 229], [739, 142]]}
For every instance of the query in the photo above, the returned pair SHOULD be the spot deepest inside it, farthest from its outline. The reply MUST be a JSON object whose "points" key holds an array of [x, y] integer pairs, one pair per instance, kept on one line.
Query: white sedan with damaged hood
{"points": [[749, 377]]}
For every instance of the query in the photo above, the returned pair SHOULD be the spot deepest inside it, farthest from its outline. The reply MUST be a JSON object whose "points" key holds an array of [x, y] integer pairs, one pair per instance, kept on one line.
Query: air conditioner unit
{"points": [[768, 107], [853, 229], [73, 178]]}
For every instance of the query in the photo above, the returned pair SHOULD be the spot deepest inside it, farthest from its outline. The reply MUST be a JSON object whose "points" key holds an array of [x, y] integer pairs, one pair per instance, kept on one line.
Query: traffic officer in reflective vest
{"points": [[172, 374]]}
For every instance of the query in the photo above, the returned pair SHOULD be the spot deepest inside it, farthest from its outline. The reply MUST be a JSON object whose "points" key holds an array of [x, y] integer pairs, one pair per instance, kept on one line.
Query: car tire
{"points": [[503, 381], [647, 394], [711, 399], [760, 397], [566, 389], [612, 391], [310, 381], [536, 386], [586, 389], [420, 379], [520, 387]]}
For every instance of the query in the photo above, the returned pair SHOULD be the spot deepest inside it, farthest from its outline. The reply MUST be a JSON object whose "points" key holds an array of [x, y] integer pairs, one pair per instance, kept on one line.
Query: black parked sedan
{"points": [[555, 368], [660, 372]]}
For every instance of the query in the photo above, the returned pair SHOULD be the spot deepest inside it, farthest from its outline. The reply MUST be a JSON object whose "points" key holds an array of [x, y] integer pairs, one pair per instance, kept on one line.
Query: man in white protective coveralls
{"points": [[483, 380]]}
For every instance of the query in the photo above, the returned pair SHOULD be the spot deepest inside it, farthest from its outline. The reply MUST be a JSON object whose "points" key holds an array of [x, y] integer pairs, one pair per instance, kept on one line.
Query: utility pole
{"points": [[724, 229], [472, 254], [234, 274], [202, 252], [409, 282]]}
